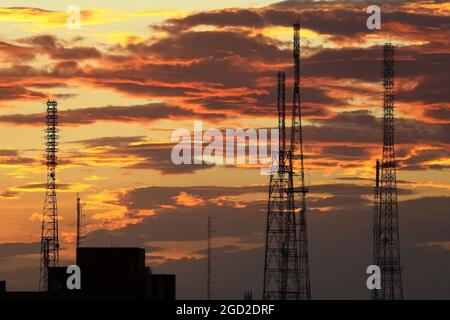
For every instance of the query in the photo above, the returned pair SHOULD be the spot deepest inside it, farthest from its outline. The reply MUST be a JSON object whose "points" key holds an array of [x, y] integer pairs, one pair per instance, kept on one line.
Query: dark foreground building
{"points": [[106, 273]]}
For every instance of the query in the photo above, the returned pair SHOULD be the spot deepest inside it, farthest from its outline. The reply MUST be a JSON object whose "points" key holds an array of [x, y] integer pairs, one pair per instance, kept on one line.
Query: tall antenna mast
{"points": [[281, 260], [79, 221], [209, 260], [386, 228], [49, 230], [298, 174]]}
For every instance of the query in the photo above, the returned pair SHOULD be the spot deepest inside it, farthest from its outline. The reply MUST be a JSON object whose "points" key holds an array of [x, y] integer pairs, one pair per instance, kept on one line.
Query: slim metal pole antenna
{"points": [[79, 221], [209, 259], [376, 220]]}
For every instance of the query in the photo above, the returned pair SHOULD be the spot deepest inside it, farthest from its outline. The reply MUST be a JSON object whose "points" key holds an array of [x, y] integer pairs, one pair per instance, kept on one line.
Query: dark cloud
{"points": [[419, 218], [60, 50], [339, 63], [14, 93], [353, 179], [215, 74], [234, 272], [147, 90], [222, 18], [214, 44], [158, 157], [43, 41], [153, 156], [8, 153], [431, 89], [439, 113], [420, 159], [350, 189], [8, 250], [187, 224], [67, 69], [218, 250], [138, 113], [22, 279], [316, 102], [362, 127], [344, 152], [31, 186], [117, 141], [344, 63], [336, 195], [238, 83], [64, 96], [9, 194], [15, 53], [323, 17], [13, 157], [155, 197]]}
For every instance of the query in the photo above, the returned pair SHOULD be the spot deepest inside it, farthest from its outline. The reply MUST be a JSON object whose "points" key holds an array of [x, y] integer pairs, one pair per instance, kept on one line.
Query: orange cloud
{"points": [[188, 200]]}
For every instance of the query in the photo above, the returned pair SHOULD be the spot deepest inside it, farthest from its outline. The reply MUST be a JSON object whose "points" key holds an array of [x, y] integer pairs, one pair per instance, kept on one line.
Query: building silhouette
{"points": [[106, 273]]}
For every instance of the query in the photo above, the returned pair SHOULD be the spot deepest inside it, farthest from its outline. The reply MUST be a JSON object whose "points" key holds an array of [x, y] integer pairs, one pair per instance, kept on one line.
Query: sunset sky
{"points": [[137, 70]]}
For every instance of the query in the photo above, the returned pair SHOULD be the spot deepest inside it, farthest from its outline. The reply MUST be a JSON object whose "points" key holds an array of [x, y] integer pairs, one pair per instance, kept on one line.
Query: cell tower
{"points": [[281, 260], [80, 216], [209, 260], [386, 226], [298, 175], [49, 231]]}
